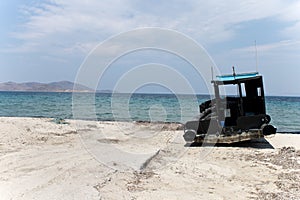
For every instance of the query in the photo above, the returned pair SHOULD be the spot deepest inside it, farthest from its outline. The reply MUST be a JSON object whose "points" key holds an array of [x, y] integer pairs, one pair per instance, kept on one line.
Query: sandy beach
{"points": [[44, 159]]}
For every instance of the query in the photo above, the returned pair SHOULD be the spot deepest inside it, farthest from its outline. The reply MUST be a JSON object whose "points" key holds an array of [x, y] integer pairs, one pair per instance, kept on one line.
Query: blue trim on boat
{"points": [[237, 76]]}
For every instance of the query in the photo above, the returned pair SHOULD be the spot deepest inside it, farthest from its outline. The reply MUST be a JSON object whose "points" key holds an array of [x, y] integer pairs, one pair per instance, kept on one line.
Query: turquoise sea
{"points": [[284, 111]]}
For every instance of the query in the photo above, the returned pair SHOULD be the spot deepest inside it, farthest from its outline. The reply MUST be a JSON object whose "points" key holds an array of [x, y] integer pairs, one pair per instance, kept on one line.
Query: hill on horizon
{"points": [[60, 86]]}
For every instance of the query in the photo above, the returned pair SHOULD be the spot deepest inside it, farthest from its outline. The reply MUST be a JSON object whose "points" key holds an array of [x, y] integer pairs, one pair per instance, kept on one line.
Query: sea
{"points": [[284, 111]]}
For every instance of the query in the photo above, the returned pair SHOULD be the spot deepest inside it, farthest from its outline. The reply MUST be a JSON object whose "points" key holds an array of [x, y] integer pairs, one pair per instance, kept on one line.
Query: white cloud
{"points": [[267, 48], [291, 15], [75, 25], [290, 12]]}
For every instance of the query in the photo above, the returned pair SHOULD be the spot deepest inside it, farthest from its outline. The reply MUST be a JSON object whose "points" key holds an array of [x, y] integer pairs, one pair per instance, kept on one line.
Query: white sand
{"points": [[107, 160]]}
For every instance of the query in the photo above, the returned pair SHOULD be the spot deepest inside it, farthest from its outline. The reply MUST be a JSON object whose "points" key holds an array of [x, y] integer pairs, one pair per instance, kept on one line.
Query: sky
{"points": [[48, 40]]}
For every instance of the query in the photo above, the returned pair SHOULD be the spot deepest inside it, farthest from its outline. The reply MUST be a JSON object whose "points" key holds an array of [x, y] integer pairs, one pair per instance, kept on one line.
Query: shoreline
{"points": [[124, 93], [180, 125], [40, 159]]}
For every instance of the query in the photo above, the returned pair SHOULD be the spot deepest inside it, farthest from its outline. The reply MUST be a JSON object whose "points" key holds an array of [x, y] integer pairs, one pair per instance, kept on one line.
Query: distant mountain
{"points": [[61, 86], [106, 91]]}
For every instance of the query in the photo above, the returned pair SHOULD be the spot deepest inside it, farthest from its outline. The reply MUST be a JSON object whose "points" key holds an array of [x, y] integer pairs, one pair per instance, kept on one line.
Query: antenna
{"points": [[256, 56], [233, 71], [212, 73]]}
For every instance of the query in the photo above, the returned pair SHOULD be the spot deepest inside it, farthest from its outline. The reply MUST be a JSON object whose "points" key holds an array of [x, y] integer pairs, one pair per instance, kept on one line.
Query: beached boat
{"points": [[232, 118]]}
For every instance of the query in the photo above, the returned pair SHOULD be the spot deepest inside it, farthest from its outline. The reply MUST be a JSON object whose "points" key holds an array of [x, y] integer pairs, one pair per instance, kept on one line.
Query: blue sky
{"points": [[48, 40]]}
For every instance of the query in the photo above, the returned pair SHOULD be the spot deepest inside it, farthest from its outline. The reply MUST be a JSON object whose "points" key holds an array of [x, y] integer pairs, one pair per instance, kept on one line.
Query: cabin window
{"points": [[259, 91], [227, 113], [231, 90], [243, 89]]}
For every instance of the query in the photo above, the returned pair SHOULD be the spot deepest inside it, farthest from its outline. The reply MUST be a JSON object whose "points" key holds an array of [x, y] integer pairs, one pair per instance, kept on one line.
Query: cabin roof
{"points": [[237, 78]]}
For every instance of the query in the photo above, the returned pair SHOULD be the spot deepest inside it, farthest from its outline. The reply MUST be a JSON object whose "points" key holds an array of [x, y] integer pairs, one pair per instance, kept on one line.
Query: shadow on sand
{"points": [[261, 143], [290, 132]]}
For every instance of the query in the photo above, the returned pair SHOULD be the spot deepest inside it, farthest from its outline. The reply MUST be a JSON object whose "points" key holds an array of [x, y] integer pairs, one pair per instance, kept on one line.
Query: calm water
{"points": [[285, 111]]}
